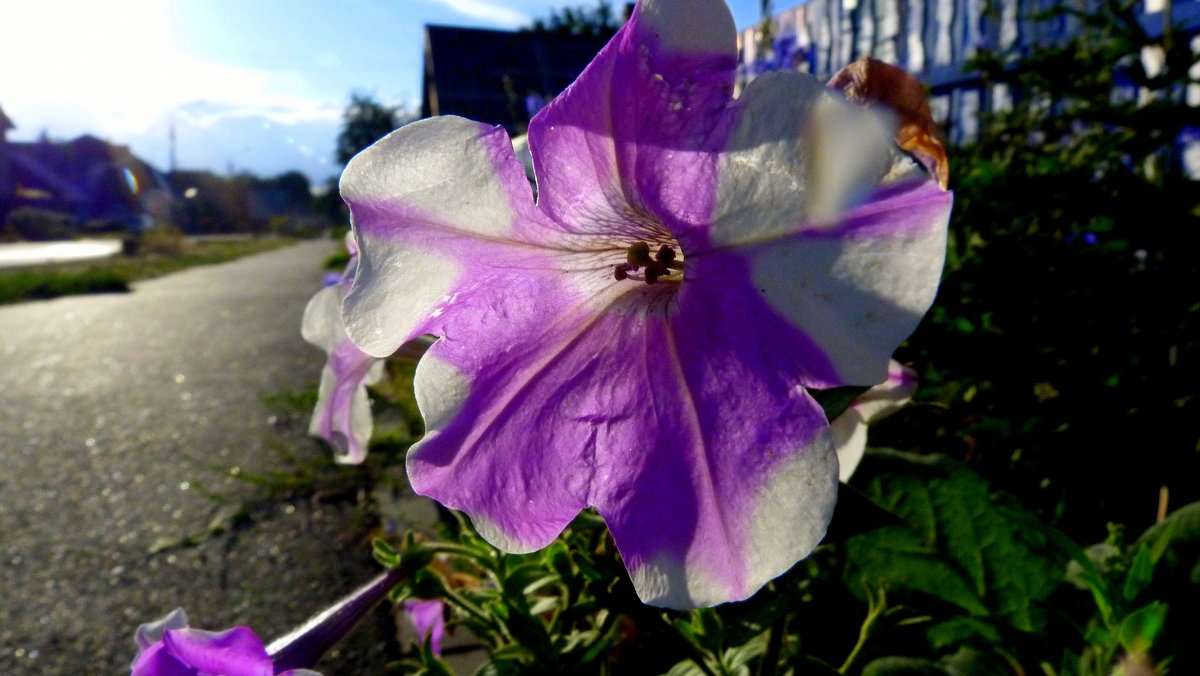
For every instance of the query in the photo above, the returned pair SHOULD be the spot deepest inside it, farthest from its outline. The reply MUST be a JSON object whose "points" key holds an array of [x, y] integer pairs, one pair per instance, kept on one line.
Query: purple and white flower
{"points": [[168, 647], [850, 428], [641, 338], [343, 413]]}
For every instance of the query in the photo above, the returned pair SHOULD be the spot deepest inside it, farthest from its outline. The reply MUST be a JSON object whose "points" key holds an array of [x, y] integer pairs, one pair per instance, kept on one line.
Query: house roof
{"points": [[487, 75], [5, 123]]}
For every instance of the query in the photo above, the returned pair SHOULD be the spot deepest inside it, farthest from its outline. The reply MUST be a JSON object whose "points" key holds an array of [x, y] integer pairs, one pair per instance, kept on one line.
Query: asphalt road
{"points": [[115, 411]]}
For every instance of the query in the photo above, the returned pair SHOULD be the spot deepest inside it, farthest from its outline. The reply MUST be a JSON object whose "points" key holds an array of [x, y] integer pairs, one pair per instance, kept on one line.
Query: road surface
{"points": [[115, 411]]}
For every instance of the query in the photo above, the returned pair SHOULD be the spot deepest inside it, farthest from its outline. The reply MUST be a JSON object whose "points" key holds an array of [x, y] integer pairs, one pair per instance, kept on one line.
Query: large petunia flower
{"points": [[641, 338]]}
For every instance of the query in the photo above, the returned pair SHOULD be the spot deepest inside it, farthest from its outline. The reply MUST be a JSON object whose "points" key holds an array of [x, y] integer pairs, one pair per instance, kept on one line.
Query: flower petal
{"points": [[497, 444], [428, 620], [428, 202], [850, 428], [342, 415], [798, 157], [694, 441], [860, 287], [633, 136], [158, 661], [343, 412], [236, 652], [150, 633]]}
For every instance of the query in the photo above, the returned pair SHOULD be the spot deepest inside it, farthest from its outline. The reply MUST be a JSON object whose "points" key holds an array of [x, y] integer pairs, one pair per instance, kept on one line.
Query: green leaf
{"points": [[897, 557], [902, 666], [712, 630], [961, 630], [1140, 573], [855, 514], [1141, 627], [1181, 528], [836, 400], [385, 553], [958, 543]]}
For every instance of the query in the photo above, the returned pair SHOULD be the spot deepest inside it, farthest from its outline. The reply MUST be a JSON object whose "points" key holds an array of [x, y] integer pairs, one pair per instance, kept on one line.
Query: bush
{"points": [[39, 225], [164, 240]]}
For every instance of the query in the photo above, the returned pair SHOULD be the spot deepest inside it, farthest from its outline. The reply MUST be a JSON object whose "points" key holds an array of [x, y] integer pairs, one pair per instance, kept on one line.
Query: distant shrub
{"points": [[298, 226], [164, 240], [20, 285], [39, 225]]}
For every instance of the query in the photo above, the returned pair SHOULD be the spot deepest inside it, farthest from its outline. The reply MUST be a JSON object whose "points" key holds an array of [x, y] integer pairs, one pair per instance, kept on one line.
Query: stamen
{"points": [[638, 256]]}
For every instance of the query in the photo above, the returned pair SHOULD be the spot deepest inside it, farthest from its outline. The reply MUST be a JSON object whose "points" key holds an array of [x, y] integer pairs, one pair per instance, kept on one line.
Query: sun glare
{"points": [[117, 62]]}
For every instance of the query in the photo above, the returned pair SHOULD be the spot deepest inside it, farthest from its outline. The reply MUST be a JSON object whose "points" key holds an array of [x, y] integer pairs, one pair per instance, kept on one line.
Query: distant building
{"points": [[500, 77], [98, 184]]}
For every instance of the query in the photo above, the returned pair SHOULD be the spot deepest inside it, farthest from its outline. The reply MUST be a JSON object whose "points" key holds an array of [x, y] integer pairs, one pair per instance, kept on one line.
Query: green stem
{"points": [[875, 608], [770, 660], [697, 655]]}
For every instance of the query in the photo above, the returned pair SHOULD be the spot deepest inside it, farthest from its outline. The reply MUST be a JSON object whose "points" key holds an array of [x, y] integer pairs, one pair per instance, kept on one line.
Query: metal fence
{"points": [[934, 40]]}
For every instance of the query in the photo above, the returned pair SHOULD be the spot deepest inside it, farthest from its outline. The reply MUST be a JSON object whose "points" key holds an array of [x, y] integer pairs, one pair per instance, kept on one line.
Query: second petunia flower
{"points": [[641, 338]]}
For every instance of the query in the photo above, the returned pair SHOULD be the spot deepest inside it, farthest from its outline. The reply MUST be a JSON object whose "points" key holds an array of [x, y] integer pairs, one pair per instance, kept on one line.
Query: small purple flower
{"points": [[534, 102], [428, 620], [641, 338], [169, 647]]}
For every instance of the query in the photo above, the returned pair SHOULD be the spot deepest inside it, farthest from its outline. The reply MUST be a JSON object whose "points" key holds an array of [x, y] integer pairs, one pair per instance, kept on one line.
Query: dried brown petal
{"points": [[870, 80]]}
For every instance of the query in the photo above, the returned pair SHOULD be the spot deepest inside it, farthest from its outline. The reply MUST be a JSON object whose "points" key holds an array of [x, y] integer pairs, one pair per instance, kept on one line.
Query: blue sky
{"points": [[254, 85]]}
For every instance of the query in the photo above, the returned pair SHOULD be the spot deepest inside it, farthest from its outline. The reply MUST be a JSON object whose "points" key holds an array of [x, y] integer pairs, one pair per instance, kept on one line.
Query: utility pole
{"points": [[171, 138]]}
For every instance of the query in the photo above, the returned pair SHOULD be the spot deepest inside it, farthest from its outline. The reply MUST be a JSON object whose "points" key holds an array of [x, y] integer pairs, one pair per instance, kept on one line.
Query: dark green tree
{"points": [[364, 122], [599, 21]]}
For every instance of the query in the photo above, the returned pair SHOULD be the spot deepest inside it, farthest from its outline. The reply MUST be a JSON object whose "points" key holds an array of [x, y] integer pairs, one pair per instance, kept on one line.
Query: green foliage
{"points": [[957, 543], [18, 285], [364, 122], [164, 240], [600, 21], [1064, 341], [1065, 333], [37, 225]]}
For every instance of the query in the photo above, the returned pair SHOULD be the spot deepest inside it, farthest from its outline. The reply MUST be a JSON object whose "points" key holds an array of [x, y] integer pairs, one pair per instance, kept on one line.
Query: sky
{"points": [[248, 85]]}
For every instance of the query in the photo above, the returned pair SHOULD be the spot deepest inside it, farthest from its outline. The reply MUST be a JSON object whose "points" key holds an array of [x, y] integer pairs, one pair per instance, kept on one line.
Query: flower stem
{"points": [[770, 660], [876, 604], [302, 647]]}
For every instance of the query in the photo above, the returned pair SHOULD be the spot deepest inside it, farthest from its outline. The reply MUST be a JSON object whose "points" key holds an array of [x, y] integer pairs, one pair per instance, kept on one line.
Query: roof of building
{"points": [[499, 77], [5, 123]]}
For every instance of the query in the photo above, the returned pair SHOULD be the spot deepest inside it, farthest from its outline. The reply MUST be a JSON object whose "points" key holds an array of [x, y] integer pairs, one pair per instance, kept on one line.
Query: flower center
{"points": [[653, 268]]}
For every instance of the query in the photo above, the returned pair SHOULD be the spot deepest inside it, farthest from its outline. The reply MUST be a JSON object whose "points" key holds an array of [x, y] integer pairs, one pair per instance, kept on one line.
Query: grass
{"points": [[115, 274]]}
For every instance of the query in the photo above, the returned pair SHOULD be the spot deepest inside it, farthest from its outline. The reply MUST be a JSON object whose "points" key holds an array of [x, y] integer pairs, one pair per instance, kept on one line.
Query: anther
{"points": [[638, 254], [638, 257]]}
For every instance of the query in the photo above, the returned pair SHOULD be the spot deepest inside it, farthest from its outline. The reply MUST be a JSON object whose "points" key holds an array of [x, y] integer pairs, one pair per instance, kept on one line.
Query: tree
{"points": [[600, 21], [365, 122]]}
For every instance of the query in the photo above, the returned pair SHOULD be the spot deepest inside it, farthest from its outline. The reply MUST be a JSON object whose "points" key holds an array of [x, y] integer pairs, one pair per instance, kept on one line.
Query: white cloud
{"points": [[492, 12], [115, 72]]}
